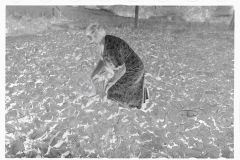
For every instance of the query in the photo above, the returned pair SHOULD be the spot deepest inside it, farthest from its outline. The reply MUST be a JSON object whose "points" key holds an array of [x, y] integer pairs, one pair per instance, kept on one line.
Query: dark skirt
{"points": [[128, 89]]}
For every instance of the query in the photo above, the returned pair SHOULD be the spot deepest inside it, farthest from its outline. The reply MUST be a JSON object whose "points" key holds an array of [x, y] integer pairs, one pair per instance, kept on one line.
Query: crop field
{"points": [[51, 109]]}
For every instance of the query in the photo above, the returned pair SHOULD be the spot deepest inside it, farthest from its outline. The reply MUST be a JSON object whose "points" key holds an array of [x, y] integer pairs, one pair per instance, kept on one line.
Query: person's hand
{"points": [[93, 79], [107, 86]]}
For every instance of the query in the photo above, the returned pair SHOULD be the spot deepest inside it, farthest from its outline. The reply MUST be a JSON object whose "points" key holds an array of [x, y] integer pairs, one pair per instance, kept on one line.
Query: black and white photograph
{"points": [[119, 81]]}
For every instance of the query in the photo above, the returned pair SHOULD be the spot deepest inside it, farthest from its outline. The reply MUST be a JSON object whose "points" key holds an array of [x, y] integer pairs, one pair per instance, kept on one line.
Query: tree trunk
{"points": [[231, 25], [136, 16], [53, 12]]}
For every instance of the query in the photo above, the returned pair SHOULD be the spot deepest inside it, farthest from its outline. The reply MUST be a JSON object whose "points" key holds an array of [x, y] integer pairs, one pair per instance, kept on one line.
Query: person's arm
{"points": [[118, 73], [98, 68]]}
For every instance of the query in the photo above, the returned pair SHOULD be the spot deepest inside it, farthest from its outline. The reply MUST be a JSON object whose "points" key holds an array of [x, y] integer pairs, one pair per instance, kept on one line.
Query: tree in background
{"points": [[231, 25], [136, 16]]}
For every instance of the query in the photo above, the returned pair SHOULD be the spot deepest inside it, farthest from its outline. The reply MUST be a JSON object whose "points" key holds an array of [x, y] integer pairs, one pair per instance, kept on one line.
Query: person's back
{"points": [[116, 48]]}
